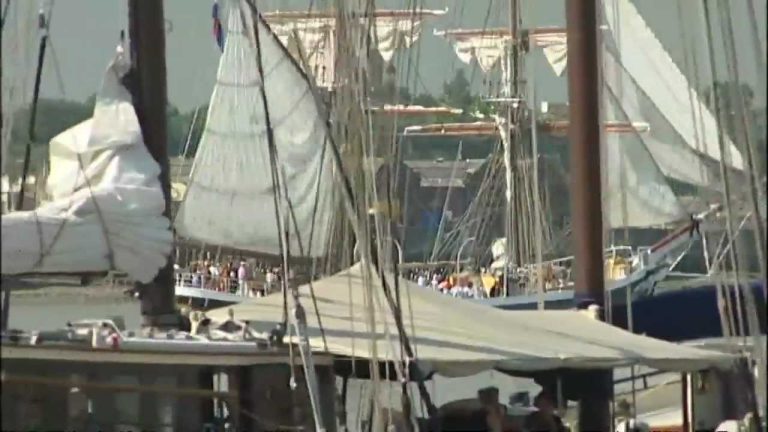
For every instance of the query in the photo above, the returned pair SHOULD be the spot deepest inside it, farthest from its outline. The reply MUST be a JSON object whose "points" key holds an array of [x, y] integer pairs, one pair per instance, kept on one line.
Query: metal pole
{"points": [[586, 206], [536, 194], [461, 249], [43, 27], [43, 23], [148, 84]]}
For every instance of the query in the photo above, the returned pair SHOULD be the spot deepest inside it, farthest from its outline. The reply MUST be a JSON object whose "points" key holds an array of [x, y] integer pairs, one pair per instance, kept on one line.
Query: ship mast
{"points": [[149, 89], [511, 90], [586, 203]]}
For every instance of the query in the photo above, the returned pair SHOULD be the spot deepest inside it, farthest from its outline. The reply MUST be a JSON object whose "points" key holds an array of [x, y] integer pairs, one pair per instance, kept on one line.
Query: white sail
{"points": [[684, 121], [311, 37], [486, 48], [108, 204], [18, 49], [636, 193], [312, 41], [229, 199], [489, 46]]}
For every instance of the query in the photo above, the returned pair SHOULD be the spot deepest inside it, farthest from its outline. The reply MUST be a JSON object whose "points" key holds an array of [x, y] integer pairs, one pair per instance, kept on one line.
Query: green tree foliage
{"points": [[728, 94], [56, 115], [457, 92]]}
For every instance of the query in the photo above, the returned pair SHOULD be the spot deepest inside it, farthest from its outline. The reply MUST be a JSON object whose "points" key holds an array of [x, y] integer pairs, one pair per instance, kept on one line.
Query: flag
{"points": [[218, 32]]}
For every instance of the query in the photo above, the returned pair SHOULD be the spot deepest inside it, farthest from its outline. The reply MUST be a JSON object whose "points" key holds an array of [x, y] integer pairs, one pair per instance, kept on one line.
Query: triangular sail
{"points": [[636, 193], [19, 28], [651, 84], [230, 196]]}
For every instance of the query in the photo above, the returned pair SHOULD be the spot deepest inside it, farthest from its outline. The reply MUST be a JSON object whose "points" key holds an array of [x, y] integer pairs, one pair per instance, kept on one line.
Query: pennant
{"points": [[218, 31]]}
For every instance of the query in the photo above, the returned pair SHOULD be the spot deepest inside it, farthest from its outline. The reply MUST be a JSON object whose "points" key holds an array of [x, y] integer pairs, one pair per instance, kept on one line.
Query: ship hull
{"points": [[673, 315]]}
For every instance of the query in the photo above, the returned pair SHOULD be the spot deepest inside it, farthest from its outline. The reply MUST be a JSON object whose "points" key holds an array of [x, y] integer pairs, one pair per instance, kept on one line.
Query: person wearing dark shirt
{"points": [[544, 419]]}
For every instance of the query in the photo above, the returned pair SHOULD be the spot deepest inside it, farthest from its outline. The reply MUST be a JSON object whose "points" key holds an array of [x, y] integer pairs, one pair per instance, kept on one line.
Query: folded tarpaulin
{"points": [[456, 337]]}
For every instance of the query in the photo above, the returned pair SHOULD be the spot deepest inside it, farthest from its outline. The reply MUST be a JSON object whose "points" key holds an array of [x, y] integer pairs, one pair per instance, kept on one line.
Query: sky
{"points": [[84, 34]]}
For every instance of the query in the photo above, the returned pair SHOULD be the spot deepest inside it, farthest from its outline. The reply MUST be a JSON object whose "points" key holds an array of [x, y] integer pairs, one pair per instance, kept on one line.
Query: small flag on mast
{"points": [[218, 32]]}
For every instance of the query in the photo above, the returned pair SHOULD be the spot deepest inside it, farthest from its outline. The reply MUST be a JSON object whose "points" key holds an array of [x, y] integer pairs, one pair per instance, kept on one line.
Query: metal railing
{"points": [[216, 283], [560, 269]]}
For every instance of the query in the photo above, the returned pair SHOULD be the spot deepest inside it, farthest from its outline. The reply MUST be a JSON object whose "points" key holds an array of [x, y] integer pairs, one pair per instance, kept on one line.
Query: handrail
{"points": [[211, 283]]}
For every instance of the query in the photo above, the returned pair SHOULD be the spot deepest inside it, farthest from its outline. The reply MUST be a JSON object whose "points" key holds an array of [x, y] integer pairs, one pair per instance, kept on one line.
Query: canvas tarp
{"points": [[456, 337]]}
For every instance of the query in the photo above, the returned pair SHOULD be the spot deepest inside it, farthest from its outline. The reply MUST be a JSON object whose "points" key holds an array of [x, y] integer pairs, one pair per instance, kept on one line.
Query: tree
{"points": [[56, 115], [425, 100], [728, 94], [457, 92]]}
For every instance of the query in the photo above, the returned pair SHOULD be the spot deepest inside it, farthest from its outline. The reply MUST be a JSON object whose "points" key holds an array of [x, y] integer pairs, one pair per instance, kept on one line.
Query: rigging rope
{"points": [[750, 310], [44, 23], [6, 7], [746, 129], [753, 323]]}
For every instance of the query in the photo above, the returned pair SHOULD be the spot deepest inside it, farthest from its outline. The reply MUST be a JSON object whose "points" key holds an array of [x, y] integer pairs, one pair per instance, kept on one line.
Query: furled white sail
{"points": [[313, 35], [489, 46], [229, 199], [690, 125], [108, 204], [554, 45], [392, 33], [312, 41]]}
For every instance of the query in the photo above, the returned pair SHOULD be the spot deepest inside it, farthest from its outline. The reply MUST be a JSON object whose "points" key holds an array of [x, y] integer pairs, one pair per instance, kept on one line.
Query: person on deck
{"points": [[242, 279], [478, 291], [224, 278], [232, 277], [545, 419], [496, 418], [271, 278]]}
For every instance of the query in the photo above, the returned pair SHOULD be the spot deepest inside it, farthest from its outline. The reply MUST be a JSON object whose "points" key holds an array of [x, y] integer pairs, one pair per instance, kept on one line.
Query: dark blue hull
{"points": [[673, 315]]}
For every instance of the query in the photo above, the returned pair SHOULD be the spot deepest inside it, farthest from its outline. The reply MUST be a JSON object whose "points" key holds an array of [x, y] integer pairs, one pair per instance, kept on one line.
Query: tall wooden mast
{"points": [[586, 202], [148, 85]]}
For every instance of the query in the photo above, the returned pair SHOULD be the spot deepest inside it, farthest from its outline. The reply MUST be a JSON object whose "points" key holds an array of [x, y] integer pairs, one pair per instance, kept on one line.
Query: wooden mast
{"points": [[586, 202], [148, 86], [512, 239]]}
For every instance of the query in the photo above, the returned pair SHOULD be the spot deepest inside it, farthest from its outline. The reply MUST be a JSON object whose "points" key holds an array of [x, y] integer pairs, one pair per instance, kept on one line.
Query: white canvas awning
{"points": [[455, 337]]}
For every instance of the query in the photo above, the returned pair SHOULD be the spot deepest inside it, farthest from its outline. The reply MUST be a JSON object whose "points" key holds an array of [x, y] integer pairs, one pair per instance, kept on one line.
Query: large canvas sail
{"points": [[636, 193], [230, 196], [107, 208], [651, 85], [19, 28]]}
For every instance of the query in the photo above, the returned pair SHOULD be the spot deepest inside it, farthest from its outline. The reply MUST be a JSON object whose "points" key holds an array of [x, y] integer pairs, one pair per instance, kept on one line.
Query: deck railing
{"points": [[215, 283]]}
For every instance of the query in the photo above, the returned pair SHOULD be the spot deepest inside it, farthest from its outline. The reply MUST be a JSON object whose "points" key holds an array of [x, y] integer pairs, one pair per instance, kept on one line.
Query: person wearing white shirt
{"points": [[271, 278], [421, 280]]}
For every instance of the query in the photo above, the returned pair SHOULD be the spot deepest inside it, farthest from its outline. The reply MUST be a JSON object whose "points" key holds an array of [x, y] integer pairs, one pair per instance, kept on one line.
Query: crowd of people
{"points": [[460, 285], [230, 277]]}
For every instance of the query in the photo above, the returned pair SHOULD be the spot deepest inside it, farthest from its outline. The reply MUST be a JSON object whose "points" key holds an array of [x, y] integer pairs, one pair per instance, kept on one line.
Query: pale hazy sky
{"points": [[84, 34]]}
